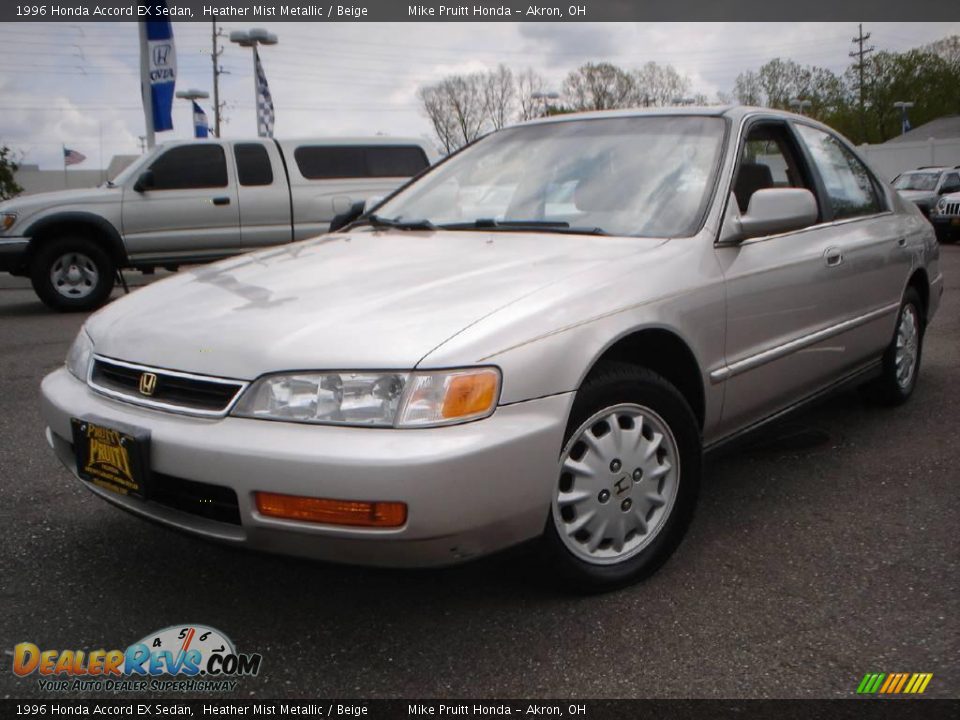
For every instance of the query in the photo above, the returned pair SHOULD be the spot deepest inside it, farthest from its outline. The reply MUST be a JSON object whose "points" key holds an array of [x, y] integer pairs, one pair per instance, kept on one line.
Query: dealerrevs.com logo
{"points": [[180, 658]]}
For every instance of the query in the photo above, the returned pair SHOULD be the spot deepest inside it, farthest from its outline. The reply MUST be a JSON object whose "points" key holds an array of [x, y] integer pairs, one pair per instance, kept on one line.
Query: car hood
{"points": [[365, 300], [28, 203], [918, 195]]}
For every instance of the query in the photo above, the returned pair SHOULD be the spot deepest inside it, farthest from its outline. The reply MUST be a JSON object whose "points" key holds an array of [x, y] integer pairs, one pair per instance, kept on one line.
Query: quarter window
{"points": [[253, 164], [190, 166], [326, 162], [849, 185]]}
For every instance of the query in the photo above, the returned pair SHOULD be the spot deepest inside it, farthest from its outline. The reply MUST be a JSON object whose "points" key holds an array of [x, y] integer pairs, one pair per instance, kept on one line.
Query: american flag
{"points": [[264, 99], [72, 157]]}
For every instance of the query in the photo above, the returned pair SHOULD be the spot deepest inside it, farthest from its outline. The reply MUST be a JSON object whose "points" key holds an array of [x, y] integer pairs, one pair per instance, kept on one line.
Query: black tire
{"points": [[887, 389], [610, 386], [87, 295]]}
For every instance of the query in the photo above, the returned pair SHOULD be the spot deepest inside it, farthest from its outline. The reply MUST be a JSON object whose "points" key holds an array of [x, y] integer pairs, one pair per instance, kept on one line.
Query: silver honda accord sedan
{"points": [[535, 340]]}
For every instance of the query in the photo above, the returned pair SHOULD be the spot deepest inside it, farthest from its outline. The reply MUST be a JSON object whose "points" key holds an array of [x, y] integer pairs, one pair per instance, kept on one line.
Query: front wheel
{"points": [[72, 274], [628, 482]]}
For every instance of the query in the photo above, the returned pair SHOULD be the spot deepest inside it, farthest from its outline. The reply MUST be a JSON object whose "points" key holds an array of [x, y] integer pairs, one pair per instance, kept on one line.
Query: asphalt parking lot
{"points": [[827, 549]]}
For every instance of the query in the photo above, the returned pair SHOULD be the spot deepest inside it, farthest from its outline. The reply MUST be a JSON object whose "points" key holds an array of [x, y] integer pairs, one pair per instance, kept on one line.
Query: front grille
{"points": [[951, 208], [171, 390]]}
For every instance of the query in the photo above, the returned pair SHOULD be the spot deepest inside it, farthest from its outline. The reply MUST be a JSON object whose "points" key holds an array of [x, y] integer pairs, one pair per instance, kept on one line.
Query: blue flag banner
{"points": [[201, 128], [163, 66]]}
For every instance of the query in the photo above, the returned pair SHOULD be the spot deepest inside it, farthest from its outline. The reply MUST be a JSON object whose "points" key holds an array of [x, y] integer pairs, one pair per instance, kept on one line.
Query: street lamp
{"points": [[251, 38], [801, 105], [546, 97], [193, 95], [904, 121]]}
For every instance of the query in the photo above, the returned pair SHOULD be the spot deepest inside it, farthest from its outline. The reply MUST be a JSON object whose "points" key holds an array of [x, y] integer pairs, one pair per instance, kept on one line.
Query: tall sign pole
{"points": [[145, 89]]}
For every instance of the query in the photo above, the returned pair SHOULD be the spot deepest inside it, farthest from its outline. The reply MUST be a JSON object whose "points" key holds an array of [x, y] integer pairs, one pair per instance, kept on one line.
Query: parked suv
{"points": [[946, 218], [194, 201], [925, 185], [535, 340]]}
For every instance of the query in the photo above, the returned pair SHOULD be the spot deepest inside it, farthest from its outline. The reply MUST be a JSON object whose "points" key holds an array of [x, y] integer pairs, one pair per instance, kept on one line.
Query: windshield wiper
{"points": [[382, 222], [551, 226]]}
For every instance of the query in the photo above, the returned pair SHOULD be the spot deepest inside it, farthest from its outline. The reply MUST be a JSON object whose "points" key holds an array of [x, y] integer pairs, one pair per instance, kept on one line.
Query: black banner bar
{"points": [[258, 11], [855, 709]]}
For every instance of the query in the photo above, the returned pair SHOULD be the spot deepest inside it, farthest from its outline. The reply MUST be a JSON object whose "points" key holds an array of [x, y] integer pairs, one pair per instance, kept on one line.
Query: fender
{"points": [[114, 241]]}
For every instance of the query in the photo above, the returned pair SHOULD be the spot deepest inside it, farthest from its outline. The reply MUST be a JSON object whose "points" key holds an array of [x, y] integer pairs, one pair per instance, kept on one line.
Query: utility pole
{"points": [[860, 54], [217, 71]]}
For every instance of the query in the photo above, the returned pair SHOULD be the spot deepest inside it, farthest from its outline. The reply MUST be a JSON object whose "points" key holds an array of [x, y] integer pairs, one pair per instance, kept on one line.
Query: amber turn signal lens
{"points": [[332, 512], [470, 394]]}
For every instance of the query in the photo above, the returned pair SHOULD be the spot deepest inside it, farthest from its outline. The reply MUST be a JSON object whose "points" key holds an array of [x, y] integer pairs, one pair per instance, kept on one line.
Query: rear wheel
{"points": [[72, 274], [901, 361], [628, 480]]}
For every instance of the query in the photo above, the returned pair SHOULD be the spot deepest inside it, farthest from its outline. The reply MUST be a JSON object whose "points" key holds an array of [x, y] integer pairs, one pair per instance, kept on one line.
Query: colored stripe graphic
{"points": [[894, 683]]}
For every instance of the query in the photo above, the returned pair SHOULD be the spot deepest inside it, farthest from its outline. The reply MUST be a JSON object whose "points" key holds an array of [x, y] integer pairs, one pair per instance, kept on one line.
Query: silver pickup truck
{"points": [[195, 201]]}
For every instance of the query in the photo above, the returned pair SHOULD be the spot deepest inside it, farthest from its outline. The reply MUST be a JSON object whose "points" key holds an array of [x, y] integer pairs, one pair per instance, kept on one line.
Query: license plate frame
{"points": [[112, 455]]}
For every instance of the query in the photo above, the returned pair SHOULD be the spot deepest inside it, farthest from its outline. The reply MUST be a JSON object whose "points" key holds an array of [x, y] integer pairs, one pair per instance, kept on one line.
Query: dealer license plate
{"points": [[112, 457]]}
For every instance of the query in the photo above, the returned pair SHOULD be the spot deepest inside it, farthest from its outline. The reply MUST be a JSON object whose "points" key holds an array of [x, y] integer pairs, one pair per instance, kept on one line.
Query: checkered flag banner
{"points": [[264, 99]]}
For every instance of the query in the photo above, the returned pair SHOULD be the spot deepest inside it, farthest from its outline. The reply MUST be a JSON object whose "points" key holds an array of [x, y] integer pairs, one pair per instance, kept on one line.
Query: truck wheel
{"points": [[628, 480], [72, 274], [901, 361]]}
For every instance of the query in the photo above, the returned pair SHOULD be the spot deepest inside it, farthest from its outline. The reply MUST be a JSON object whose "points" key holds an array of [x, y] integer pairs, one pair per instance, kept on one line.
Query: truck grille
{"points": [[164, 389], [951, 208]]}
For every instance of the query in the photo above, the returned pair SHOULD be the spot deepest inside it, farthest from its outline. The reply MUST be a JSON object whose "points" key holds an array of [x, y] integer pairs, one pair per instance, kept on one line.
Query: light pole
{"points": [[904, 120], [193, 95], [252, 38], [546, 97], [801, 105]]}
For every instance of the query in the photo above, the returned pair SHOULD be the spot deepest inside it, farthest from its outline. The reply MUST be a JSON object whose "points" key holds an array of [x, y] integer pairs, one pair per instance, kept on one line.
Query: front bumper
{"points": [[13, 253], [947, 227], [470, 489]]}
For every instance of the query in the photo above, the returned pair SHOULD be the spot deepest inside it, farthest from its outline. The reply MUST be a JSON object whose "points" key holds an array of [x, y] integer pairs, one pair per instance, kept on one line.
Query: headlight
{"points": [[81, 352], [377, 399], [7, 220], [942, 205]]}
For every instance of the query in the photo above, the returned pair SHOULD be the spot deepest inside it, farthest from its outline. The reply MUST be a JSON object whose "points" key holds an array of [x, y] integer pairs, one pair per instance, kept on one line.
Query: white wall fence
{"points": [[891, 159]]}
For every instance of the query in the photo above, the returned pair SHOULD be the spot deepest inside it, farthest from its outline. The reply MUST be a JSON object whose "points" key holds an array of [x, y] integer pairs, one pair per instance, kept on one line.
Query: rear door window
{"points": [[848, 183], [253, 164], [327, 162]]}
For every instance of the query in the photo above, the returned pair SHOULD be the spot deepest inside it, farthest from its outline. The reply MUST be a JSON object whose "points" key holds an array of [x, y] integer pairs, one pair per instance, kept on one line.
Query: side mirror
{"points": [[345, 218], [778, 210], [144, 182]]}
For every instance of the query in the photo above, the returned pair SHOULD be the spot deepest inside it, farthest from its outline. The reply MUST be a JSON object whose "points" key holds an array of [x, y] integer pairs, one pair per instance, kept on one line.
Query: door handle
{"points": [[833, 257], [221, 201]]}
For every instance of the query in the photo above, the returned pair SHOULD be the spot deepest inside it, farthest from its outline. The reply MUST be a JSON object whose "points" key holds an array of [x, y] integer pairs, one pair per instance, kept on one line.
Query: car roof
{"points": [[735, 112]]}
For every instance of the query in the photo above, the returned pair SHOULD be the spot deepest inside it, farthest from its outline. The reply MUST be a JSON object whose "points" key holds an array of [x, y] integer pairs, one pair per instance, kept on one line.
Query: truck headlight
{"points": [[375, 399], [941, 205], [7, 220], [80, 355]]}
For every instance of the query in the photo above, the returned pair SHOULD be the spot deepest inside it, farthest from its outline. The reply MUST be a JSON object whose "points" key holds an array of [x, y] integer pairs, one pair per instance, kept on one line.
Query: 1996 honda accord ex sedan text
{"points": [[536, 339]]}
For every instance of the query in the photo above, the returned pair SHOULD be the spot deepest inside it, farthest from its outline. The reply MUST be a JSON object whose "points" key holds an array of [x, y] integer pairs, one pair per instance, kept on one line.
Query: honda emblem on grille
{"points": [[148, 383]]}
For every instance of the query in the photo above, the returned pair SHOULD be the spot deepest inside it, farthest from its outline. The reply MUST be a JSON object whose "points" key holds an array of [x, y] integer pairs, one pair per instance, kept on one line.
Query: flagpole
{"points": [[145, 90], [63, 155]]}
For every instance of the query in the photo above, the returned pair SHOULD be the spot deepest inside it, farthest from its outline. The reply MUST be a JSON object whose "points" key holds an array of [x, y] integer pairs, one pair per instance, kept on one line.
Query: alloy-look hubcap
{"points": [[74, 275], [908, 343], [618, 482]]}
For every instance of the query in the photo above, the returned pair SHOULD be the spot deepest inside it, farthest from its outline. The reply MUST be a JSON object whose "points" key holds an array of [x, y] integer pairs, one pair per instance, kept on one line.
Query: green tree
{"points": [[8, 168]]}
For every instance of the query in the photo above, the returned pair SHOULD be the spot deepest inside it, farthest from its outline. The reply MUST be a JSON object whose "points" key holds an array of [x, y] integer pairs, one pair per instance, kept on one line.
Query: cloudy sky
{"points": [[78, 83]]}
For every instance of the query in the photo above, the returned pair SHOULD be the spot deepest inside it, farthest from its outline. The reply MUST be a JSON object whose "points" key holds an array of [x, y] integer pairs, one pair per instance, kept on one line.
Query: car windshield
{"points": [[916, 181], [639, 176]]}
